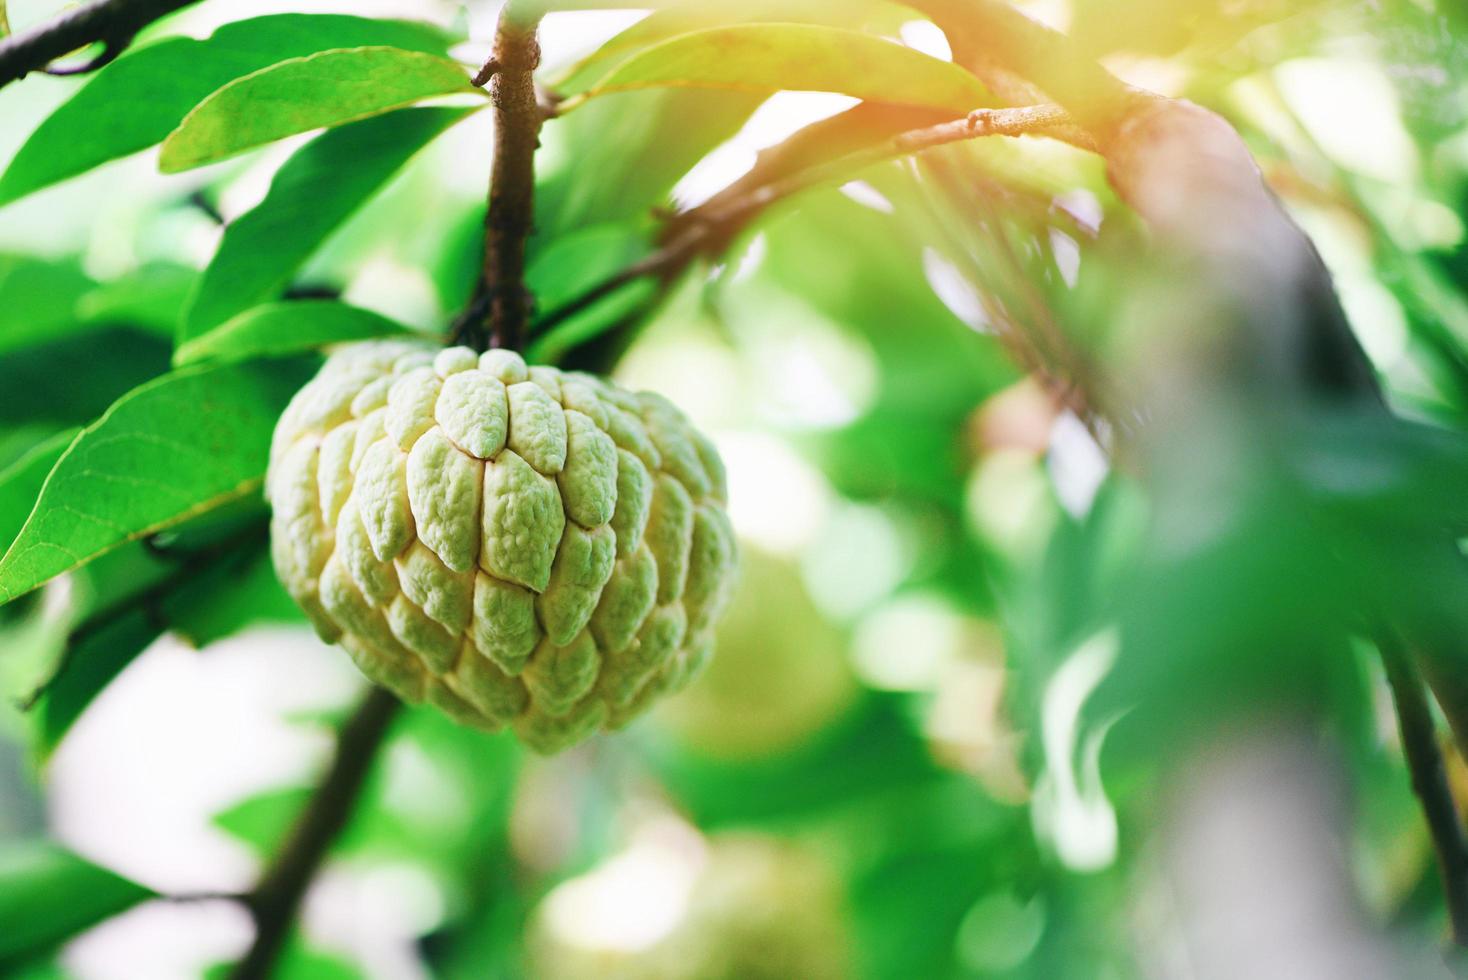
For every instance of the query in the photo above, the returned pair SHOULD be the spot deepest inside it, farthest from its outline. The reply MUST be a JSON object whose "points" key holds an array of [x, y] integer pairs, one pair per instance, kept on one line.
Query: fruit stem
{"points": [[500, 313]]}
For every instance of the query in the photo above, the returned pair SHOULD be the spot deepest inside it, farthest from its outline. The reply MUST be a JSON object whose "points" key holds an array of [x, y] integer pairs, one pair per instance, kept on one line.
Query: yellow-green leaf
{"points": [[875, 17], [302, 94], [799, 57]]}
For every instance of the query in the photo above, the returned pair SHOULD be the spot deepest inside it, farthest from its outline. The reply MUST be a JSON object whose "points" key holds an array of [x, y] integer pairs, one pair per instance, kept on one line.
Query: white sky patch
{"points": [[724, 165], [780, 116], [373, 914], [956, 292], [129, 792], [568, 36], [1083, 206], [868, 196], [248, 189], [754, 256], [1078, 466], [1067, 256], [1377, 319], [1350, 108], [162, 940], [927, 37]]}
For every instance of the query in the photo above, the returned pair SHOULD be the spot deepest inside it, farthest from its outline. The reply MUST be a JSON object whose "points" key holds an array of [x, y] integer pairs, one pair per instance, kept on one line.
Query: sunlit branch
{"points": [[707, 229], [1017, 56]]}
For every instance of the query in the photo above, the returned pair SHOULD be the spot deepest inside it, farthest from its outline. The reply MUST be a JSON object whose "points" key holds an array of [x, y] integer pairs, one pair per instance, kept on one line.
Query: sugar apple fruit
{"points": [[517, 546]]}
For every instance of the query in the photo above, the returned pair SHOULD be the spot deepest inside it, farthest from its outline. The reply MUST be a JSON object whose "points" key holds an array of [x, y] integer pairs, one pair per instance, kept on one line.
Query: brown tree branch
{"points": [[500, 313], [276, 900], [1429, 779], [863, 125], [114, 23], [709, 228]]}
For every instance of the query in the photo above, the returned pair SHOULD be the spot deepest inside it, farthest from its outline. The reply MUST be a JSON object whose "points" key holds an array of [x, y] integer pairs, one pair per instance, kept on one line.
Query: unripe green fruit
{"points": [[518, 546], [781, 675], [758, 909]]}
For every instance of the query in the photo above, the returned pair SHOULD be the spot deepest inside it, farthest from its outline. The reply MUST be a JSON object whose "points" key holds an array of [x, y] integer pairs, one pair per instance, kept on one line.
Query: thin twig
{"points": [[114, 23], [500, 313], [708, 229], [199, 898], [1037, 344], [275, 902], [1429, 779]]}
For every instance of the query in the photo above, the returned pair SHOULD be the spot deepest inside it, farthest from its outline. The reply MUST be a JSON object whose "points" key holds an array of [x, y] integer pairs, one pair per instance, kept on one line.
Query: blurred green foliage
{"points": [[865, 784]]}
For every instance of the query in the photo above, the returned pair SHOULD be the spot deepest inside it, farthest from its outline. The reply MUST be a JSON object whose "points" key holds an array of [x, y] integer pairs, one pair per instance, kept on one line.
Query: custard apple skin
{"points": [[515, 545]]}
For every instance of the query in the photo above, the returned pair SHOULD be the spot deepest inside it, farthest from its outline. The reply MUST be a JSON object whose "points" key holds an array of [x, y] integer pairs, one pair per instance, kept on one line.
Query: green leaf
{"points": [[324, 89], [636, 299], [285, 328], [571, 265], [151, 297], [203, 596], [38, 299], [16, 441], [175, 448], [20, 483], [97, 367], [875, 17], [48, 895], [262, 821], [139, 99], [639, 146], [296, 963], [799, 57], [312, 194], [199, 580], [251, 596]]}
